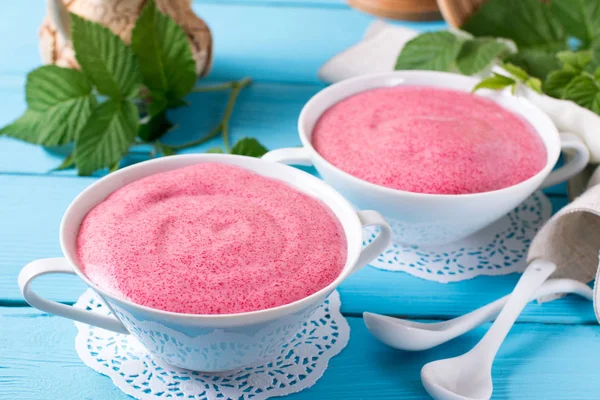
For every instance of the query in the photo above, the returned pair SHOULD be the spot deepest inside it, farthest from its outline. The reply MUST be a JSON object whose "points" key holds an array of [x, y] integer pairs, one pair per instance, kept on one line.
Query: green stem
{"points": [[219, 87], [223, 125], [213, 133], [225, 134]]}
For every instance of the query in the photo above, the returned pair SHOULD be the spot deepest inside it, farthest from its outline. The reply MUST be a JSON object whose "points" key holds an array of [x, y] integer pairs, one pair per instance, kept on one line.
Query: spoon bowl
{"points": [[409, 335], [457, 379], [405, 334]]}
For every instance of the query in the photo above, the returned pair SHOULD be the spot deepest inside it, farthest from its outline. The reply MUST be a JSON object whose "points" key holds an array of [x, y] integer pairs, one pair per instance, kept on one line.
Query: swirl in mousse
{"points": [[211, 239], [429, 140]]}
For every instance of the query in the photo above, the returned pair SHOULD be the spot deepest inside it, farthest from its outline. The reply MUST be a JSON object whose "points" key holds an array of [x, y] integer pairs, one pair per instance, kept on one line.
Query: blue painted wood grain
{"points": [[277, 49], [536, 362], [281, 44], [19, 28]]}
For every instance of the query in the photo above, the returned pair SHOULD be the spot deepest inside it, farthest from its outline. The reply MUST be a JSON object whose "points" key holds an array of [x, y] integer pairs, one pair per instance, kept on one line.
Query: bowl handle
{"points": [[61, 266], [289, 156], [581, 155], [379, 244]]}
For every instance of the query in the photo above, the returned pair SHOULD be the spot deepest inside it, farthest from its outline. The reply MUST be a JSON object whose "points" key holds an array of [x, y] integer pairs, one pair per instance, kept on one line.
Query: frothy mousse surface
{"points": [[429, 140], [211, 239]]}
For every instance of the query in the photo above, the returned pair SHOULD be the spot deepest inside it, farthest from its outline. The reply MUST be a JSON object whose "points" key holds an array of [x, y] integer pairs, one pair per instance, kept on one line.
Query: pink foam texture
{"points": [[211, 239], [429, 140]]}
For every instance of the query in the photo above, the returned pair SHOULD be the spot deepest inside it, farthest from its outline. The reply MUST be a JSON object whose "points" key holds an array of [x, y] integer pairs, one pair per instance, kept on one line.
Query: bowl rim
{"points": [[538, 114], [234, 319]]}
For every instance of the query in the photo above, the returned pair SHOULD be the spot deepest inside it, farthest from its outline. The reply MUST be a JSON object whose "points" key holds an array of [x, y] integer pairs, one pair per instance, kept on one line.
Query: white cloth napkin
{"points": [[571, 239], [376, 52], [380, 46]]}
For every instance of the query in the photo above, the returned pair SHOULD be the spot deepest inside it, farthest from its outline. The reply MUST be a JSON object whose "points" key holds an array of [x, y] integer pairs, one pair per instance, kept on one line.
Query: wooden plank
{"points": [[21, 21], [537, 361], [30, 216], [400, 294]]}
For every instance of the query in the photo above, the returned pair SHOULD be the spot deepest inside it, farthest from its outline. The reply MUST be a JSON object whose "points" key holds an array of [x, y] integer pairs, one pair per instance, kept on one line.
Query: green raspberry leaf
{"points": [[166, 150], [49, 85], [596, 105], [435, 51], [530, 24], [25, 128], [495, 82], [575, 60], [477, 54], [557, 81], [249, 147], [61, 100], [166, 60], [107, 136], [215, 150], [158, 103], [580, 18], [518, 72], [155, 128], [595, 56], [105, 59], [68, 163], [114, 167], [521, 75], [534, 83], [585, 91], [537, 62]]}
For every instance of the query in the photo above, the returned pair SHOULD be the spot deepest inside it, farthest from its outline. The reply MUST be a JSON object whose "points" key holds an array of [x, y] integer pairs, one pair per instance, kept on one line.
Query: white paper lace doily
{"points": [[499, 249], [302, 361]]}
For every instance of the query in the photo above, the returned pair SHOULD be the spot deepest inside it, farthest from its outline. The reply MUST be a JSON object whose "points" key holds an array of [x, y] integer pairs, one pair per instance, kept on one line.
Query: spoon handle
{"points": [[534, 276], [467, 322]]}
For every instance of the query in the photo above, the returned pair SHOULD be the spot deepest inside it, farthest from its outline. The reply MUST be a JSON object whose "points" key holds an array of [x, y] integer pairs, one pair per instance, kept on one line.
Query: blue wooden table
{"points": [[280, 44]]}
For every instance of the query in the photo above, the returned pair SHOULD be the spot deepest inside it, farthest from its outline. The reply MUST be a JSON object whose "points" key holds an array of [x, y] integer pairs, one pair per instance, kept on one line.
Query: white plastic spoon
{"points": [[469, 377], [409, 335]]}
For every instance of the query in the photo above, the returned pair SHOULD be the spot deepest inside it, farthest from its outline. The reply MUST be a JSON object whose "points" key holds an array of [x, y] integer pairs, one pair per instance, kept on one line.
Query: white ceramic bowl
{"points": [[203, 342], [420, 218]]}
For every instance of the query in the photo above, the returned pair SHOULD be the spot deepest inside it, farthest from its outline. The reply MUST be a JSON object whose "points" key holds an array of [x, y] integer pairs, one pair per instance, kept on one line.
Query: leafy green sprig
{"points": [[551, 46], [121, 95], [449, 51], [516, 75]]}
